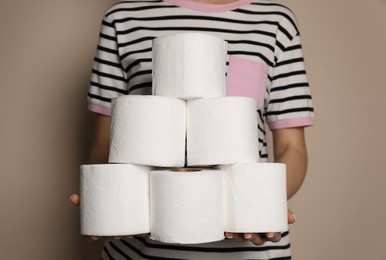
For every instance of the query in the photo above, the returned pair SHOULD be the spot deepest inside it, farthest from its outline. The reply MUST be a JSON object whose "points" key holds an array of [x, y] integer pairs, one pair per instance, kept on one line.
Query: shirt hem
{"points": [[99, 109], [289, 123]]}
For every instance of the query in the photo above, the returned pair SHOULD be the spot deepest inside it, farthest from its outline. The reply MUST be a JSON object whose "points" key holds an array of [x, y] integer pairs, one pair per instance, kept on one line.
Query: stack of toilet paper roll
{"points": [[187, 122]]}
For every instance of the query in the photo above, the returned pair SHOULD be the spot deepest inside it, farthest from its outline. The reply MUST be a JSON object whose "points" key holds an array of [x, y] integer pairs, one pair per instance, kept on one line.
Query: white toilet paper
{"points": [[222, 131], [114, 199], [189, 65], [186, 207], [255, 198], [148, 130]]}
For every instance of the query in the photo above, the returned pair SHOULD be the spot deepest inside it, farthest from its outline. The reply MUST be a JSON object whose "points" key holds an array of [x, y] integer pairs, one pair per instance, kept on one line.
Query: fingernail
{"points": [[71, 197], [293, 215], [270, 235], [247, 236], [94, 238], [229, 236]]}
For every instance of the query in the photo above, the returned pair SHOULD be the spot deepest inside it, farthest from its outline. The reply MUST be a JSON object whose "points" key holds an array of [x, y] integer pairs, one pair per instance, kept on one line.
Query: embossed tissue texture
{"points": [[114, 199], [186, 207], [189, 65], [255, 199], [148, 130], [222, 131]]}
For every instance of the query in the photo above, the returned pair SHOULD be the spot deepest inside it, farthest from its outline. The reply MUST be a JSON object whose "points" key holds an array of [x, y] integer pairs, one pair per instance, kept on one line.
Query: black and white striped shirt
{"points": [[259, 31]]}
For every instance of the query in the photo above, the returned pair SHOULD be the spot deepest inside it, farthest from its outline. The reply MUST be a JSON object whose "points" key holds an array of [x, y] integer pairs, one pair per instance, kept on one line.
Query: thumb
{"points": [[74, 199], [291, 217]]}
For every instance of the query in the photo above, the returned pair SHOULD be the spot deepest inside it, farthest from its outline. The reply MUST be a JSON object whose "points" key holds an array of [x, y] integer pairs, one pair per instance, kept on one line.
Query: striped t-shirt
{"points": [[264, 52]]}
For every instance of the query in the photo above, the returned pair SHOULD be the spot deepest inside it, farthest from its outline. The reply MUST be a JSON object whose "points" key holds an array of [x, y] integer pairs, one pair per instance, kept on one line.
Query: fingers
{"points": [[120, 237], [91, 238], [142, 235], [234, 236], [95, 238], [291, 217], [256, 238], [74, 199], [109, 238], [274, 237]]}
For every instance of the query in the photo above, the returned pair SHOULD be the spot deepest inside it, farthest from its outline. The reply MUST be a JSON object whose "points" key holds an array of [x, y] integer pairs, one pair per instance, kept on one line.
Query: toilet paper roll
{"points": [[221, 131], [114, 199], [148, 130], [255, 197], [186, 206], [189, 65]]}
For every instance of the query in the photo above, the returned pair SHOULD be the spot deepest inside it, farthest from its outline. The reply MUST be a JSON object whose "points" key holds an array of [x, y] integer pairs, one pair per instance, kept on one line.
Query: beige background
{"points": [[46, 50]]}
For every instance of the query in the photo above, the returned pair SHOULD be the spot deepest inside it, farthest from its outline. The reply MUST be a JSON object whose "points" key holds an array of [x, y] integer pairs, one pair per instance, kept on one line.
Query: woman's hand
{"points": [[75, 200], [256, 238], [260, 238]]}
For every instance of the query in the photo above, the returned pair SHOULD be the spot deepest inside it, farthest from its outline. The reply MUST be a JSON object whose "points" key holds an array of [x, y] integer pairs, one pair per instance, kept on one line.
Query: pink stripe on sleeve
{"points": [[288, 123], [99, 109]]}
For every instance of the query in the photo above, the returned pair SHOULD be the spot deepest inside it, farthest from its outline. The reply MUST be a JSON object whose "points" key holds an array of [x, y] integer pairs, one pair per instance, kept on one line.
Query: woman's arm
{"points": [[289, 147], [99, 154], [100, 147]]}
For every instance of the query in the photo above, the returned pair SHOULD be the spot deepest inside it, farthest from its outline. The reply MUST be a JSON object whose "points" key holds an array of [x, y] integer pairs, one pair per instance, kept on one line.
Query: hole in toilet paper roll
{"points": [[186, 170]]}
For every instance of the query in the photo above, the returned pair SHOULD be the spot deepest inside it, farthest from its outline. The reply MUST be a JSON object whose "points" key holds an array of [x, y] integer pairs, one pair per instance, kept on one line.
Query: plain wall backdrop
{"points": [[46, 52]]}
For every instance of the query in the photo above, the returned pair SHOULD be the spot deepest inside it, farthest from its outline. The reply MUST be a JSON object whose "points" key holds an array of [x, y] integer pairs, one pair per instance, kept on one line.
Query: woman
{"points": [[263, 38]]}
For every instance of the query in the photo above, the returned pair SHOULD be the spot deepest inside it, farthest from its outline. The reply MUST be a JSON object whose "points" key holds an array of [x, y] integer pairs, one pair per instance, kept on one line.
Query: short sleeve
{"points": [[108, 79], [289, 102]]}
